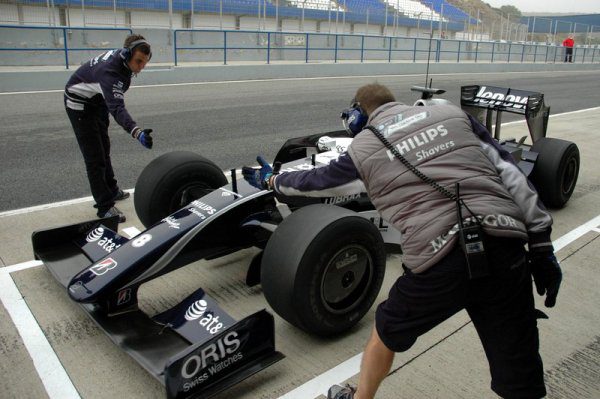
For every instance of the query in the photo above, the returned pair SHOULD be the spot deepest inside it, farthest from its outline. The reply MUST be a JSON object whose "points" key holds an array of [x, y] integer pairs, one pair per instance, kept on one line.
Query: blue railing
{"points": [[359, 48], [65, 45], [204, 45]]}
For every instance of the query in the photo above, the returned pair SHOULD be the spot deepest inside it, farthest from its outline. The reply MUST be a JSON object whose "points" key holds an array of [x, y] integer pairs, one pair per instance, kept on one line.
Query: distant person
{"points": [[568, 44], [94, 90]]}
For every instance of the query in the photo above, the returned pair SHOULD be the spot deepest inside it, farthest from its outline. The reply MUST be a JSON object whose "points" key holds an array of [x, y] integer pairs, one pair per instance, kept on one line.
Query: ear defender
{"points": [[127, 52], [354, 119]]}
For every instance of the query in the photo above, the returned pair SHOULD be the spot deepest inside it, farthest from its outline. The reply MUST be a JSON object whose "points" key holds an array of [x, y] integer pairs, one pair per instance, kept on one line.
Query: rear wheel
{"points": [[172, 181], [323, 268], [555, 171]]}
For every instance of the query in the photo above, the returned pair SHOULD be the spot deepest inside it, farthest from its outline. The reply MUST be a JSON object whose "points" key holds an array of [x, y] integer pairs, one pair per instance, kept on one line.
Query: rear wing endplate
{"points": [[482, 101]]}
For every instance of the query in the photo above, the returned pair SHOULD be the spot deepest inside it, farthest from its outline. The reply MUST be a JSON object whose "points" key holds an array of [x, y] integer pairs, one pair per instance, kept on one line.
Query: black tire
{"points": [[556, 170], [172, 181], [323, 268]]}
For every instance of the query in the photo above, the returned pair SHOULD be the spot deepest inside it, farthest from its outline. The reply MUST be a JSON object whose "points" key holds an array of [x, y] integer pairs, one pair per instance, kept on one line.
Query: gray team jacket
{"points": [[440, 142]]}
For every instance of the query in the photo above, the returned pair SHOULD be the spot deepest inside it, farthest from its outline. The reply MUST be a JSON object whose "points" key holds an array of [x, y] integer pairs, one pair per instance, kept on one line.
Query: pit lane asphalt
{"points": [[230, 123], [446, 363]]}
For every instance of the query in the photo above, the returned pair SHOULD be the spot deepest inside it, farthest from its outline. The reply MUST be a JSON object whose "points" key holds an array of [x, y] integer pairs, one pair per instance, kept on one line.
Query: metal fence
{"points": [[36, 45]]}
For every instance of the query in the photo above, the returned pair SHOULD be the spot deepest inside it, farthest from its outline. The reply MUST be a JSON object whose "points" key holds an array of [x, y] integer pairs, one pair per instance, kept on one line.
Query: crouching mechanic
{"points": [[449, 147], [94, 90]]}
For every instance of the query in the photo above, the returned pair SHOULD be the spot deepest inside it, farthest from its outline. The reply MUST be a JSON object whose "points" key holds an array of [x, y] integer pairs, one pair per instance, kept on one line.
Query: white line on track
{"points": [[59, 386], [297, 79], [54, 377], [49, 206]]}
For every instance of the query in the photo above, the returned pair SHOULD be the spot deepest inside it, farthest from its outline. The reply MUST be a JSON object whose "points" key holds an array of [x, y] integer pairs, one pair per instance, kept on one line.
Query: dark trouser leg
{"points": [[109, 174], [569, 55], [88, 131], [502, 310]]}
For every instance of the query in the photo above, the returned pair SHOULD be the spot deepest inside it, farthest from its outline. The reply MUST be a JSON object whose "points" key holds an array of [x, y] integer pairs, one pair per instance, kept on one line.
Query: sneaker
{"points": [[340, 392], [114, 211], [121, 195]]}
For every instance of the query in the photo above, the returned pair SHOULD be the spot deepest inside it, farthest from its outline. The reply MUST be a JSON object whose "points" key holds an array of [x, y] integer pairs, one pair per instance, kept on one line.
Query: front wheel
{"points": [[322, 269], [171, 181]]}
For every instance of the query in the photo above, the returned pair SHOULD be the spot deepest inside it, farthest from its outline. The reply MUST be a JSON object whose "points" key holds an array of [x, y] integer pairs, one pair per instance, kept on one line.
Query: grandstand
{"points": [[414, 9], [404, 15], [325, 5]]}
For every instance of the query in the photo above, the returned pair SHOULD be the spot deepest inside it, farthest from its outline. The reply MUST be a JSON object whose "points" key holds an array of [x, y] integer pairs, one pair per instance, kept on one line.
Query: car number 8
{"points": [[141, 240]]}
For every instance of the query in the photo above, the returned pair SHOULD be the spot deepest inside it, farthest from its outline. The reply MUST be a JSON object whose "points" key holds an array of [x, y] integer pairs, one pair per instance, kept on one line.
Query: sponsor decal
{"points": [[204, 207], [418, 139], [380, 223], [197, 213], [103, 266], [424, 154], [211, 360], [488, 220], [487, 96], [340, 199], [208, 320], [95, 234], [225, 194], [196, 310], [141, 240], [123, 296], [170, 220], [108, 244], [403, 123]]}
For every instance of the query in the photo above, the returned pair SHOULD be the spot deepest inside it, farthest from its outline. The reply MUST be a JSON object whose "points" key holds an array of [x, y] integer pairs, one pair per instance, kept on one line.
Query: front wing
{"points": [[188, 361]]}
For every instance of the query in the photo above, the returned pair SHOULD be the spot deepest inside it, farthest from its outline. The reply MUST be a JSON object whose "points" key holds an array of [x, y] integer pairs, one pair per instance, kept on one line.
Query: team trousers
{"points": [[91, 130], [500, 305]]}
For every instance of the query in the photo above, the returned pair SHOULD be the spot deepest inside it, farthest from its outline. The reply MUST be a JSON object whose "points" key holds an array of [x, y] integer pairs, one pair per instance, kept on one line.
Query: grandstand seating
{"points": [[447, 10], [409, 11], [325, 5], [414, 9]]}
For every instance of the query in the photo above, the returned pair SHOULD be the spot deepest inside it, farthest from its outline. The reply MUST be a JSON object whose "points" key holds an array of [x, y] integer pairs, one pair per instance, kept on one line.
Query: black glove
{"points": [[258, 177], [546, 275], [143, 136]]}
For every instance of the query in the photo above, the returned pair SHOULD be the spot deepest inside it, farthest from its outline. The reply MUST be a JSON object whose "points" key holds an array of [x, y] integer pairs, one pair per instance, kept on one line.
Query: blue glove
{"points": [[143, 136], [546, 275], [258, 177]]}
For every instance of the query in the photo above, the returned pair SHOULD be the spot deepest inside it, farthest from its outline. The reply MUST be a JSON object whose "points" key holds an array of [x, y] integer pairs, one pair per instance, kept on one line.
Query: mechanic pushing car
{"points": [[94, 90], [465, 212]]}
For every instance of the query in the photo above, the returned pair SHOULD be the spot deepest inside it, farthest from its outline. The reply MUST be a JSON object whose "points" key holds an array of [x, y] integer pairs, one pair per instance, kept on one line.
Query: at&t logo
{"points": [[208, 320], [95, 234]]}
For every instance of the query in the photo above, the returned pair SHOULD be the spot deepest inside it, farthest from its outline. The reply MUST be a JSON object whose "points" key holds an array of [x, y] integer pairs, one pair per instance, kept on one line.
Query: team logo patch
{"points": [[95, 234], [103, 266], [196, 310], [124, 296]]}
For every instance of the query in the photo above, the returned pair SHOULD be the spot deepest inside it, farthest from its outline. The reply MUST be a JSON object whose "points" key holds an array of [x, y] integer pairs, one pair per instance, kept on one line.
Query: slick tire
{"points": [[172, 181], [556, 170], [323, 268]]}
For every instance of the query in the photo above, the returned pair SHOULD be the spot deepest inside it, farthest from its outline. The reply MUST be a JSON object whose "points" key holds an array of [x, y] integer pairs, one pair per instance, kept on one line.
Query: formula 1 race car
{"points": [[321, 264]]}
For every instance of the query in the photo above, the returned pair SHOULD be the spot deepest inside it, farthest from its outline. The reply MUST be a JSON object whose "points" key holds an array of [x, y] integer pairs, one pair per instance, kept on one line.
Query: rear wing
{"points": [[482, 101]]}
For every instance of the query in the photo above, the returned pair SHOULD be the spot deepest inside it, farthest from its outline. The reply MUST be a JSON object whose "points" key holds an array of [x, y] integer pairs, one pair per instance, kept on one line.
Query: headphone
{"points": [[127, 52], [354, 119]]}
